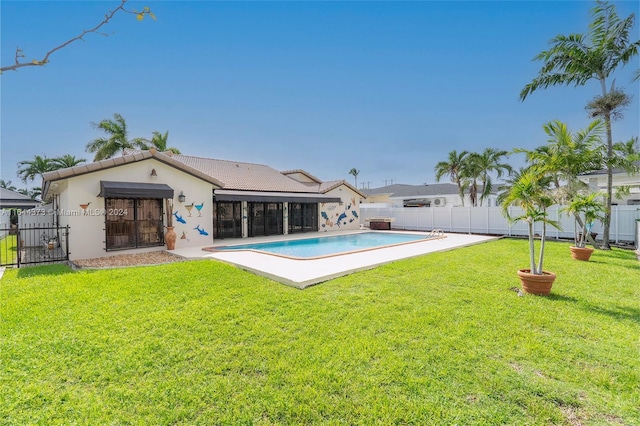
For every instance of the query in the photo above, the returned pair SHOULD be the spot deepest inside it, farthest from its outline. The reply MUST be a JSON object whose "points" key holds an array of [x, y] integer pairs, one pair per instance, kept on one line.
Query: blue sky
{"points": [[387, 87]]}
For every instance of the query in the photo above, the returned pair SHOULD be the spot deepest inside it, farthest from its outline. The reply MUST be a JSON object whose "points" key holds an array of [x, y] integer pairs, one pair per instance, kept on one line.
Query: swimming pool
{"points": [[310, 248]]}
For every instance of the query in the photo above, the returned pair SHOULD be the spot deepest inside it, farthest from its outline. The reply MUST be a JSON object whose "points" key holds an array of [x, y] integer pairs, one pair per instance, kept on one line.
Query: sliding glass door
{"points": [[265, 219]]}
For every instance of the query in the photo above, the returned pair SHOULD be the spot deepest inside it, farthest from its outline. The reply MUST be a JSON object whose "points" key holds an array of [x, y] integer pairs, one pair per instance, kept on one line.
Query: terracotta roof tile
{"points": [[245, 176]]}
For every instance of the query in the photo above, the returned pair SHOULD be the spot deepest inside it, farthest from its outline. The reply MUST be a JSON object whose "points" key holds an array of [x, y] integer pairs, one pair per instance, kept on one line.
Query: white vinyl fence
{"points": [[5, 222], [37, 217], [490, 220]]}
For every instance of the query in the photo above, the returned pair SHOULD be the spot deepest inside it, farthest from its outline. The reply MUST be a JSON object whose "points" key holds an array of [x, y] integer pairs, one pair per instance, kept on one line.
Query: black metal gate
{"points": [[35, 245]]}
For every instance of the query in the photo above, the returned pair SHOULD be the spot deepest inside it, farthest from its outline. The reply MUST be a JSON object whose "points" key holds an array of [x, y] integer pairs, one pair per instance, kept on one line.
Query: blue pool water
{"points": [[325, 246]]}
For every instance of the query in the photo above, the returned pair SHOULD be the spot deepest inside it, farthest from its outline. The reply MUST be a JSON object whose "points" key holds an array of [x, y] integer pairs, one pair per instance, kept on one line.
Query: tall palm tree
{"points": [[453, 168], [609, 105], [490, 162], [117, 139], [355, 172], [578, 58], [33, 193], [471, 174], [6, 184], [28, 170], [64, 161], [159, 141]]}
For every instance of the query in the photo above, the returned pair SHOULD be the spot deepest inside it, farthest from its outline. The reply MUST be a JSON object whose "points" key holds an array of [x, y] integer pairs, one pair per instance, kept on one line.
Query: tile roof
{"points": [[304, 172], [11, 199], [230, 175], [245, 176], [618, 170]]}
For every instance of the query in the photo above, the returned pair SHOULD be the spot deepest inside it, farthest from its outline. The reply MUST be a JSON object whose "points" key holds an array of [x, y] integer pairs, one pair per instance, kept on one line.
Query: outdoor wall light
{"points": [[181, 197], [154, 174]]}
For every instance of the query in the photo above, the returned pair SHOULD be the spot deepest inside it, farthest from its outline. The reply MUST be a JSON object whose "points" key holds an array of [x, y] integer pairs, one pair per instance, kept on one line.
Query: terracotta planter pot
{"points": [[170, 238], [581, 253], [536, 284]]}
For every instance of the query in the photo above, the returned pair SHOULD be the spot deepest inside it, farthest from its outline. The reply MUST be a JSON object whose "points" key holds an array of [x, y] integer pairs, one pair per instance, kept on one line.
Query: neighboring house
{"points": [[597, 181], [430, 195], [121, 205], [14, 200]]}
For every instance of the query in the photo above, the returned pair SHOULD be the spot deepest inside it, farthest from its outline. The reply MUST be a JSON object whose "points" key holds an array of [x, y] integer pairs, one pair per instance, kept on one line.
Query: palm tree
{"points": [[355, 172], [576, 59], [585, 208], [566, 155], [471, 174], [159, 141], [28, 170], [33, 193], [609, 105], [6, 184], [117, 140], [453, 167], [64, 161], [529, 190], [489, 162]]}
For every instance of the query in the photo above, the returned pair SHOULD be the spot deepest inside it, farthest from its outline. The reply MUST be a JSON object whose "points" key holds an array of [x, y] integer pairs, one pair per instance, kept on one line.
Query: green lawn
{"points": [[8, 249], [439, 339]]}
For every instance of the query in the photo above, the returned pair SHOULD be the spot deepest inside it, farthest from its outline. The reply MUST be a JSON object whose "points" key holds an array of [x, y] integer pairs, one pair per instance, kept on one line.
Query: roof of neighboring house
{"points": [[617, 170], [14, 200], [230, 175], [403, 191]]}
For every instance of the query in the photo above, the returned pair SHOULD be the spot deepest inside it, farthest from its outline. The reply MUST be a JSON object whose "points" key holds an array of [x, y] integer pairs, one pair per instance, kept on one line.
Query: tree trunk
{"points": [[532, 247], [541, 258], [461, 193], [588, 236], [607, 209]]}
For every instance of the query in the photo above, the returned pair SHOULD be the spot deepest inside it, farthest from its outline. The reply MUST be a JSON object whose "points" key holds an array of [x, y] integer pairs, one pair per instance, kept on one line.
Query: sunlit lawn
{"points": [[439, 339], [8, 249]]}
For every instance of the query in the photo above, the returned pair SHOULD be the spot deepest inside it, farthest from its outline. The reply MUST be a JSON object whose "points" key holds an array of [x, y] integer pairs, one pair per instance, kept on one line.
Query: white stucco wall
{"points": [[87, 229], [340, 217]]}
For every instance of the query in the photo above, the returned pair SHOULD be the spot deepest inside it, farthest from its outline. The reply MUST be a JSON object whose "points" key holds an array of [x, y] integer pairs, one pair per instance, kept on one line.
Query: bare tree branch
{"points": [[20, 54]]}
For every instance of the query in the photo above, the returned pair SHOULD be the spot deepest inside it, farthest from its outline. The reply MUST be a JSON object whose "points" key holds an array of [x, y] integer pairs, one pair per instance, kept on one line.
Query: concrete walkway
{"points": [[303, 273]]}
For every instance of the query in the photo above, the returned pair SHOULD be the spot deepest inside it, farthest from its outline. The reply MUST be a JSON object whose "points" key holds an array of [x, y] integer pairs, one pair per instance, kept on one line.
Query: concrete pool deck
{"points": [[302, 273]]}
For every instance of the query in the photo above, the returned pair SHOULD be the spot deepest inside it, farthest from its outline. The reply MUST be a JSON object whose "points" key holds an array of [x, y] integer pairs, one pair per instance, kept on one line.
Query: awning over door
{"points": [[109, 189], [273, 197]]}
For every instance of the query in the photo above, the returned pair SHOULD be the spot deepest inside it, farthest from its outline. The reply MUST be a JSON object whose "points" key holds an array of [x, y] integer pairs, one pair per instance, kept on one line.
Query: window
{"points": [[133, 223]]}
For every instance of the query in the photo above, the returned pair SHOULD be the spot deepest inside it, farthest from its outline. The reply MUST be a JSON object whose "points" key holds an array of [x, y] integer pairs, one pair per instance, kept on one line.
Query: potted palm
{"points": [[529, 190], [586, 209]]}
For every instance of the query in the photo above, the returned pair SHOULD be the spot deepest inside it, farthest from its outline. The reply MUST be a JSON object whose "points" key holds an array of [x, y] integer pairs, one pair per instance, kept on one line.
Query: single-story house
{"points": [[428, 195], [123, 204], [597, 181], [14, 200]]}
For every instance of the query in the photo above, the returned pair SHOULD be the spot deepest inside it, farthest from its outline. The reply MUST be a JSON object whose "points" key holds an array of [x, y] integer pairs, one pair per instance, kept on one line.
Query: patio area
{"points": [[304, 273]]}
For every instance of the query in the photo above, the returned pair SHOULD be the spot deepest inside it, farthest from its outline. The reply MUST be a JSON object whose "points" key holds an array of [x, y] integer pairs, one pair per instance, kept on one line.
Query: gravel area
{"points": [[124, 260]]}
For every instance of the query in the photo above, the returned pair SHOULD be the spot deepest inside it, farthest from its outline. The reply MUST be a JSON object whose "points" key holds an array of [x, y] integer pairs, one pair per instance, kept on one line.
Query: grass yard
{"points": [[439, 339], [8, 249]]}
